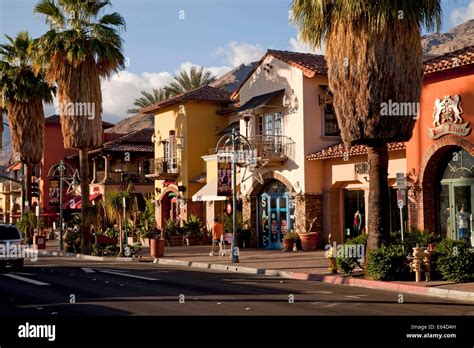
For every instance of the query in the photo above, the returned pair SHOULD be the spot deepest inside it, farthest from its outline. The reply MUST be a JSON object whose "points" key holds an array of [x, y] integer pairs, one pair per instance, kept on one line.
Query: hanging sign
{"points": [[54, 192], [224, 178]]}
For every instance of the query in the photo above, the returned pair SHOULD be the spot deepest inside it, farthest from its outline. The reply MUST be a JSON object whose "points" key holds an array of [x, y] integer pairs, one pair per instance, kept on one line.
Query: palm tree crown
{"points": [[157, 95], [188, 80]]}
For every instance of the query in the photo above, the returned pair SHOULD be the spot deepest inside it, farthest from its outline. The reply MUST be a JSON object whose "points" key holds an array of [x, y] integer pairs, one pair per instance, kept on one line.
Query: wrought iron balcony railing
{"points": [[167, 168], [273, 148]]}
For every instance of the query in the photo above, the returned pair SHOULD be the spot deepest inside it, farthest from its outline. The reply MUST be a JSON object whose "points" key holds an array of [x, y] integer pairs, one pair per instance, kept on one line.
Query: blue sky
{"points": [[217, 34]]}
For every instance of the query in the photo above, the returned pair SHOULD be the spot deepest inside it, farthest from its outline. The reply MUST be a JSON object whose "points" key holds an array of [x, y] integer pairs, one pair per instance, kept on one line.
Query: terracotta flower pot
{"points": [[309, 241], [157, 247], [288, 244]]}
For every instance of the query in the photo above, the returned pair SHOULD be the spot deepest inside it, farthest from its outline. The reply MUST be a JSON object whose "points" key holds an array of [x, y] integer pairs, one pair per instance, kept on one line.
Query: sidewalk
{"points": [[308, 265]]}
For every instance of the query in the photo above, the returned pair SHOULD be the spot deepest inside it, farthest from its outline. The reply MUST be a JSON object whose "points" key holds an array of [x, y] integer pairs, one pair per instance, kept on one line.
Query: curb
{"points": [[81, 256], [330, 279]]}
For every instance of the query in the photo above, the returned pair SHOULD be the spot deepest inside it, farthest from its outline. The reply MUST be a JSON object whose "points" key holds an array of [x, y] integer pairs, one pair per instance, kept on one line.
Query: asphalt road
{"points": [[55, 286]]}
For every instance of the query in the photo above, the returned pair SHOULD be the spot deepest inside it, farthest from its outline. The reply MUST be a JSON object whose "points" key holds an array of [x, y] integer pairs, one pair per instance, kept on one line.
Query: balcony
{"points": [[120, 177], [272, 149], [166, 168]]}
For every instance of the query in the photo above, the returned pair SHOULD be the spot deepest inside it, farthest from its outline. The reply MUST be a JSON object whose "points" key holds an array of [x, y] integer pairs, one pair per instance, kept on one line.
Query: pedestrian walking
{"points": [[217, 233]]}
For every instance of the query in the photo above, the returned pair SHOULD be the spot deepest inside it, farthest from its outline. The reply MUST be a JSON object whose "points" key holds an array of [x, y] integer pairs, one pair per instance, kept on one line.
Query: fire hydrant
{"points": [[416, 264], [427, 263], [332, 258]]}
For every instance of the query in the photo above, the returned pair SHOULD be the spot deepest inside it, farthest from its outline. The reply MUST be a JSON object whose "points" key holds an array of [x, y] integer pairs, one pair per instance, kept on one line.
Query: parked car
{"points": [[10, 236]]}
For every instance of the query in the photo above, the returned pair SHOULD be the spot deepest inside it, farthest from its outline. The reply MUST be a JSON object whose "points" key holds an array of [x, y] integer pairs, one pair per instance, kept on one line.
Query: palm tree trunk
{"points": [[85, 225], [379, 203]]}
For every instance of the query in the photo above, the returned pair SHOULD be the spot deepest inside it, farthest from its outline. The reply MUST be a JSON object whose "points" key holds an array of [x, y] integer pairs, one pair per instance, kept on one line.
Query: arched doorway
{"points": [[276, 214], [455, 176], [169, 207]]}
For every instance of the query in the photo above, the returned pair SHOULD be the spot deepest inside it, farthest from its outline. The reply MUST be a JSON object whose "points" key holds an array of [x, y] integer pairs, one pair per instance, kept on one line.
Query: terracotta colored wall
{"points": [[454, 82], [54, 151]]}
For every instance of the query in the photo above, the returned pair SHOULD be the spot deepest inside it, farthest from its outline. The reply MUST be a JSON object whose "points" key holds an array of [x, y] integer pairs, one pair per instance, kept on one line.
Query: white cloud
{"points": [[462, 14], [120, 91], [235, 53], [298, 46]]}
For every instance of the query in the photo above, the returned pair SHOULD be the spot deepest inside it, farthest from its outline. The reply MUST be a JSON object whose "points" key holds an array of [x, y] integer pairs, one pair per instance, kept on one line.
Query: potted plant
{"points": [[192, 228], [146, 222], [289, 240], [173, 233], [157, 244], [309, 239]]}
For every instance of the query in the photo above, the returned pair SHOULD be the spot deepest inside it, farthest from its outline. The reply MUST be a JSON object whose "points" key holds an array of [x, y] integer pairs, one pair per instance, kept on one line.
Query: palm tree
{"points": [[157, 95], [374, 55], [23, 94], [114, 208], [186, 81], [81, 46]]}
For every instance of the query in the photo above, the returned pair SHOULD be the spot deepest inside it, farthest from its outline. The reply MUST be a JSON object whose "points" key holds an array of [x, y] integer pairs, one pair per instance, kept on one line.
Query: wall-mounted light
{"points": [[181, 188], [157, 190]]}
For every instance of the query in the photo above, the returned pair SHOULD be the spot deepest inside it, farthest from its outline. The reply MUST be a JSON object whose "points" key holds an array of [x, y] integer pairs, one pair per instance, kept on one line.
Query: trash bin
{"points": [[39, 242]]}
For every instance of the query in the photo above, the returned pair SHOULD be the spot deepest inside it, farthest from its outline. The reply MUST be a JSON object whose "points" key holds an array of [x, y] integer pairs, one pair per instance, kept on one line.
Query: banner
{"points": [[224, 178], [54, 192]]}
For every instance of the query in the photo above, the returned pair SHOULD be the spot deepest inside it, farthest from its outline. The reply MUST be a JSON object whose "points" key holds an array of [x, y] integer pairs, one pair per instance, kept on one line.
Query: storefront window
{"points": [[354, 213], [456, 196]]}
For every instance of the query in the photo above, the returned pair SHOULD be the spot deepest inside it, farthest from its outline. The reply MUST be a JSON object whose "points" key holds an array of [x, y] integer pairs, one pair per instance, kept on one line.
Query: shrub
{"points": [[412, 238], [193, 225], [348, 264], [387, 263], [454, 261]]}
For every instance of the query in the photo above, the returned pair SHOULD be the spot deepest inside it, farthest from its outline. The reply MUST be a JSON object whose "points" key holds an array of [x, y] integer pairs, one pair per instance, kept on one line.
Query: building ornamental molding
{"points": [[447, 118]]}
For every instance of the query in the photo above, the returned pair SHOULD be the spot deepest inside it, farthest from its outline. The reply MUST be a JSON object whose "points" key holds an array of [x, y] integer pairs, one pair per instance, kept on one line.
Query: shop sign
{"points": [[447, 118], [361, 168], [401, 181]]}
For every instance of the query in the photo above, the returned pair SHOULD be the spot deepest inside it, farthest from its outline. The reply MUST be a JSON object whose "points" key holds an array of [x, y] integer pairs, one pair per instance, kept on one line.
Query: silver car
{"points": [[11, 242]]}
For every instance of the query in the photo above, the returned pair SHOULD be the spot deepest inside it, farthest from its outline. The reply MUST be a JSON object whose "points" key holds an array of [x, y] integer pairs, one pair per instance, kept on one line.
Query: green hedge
{"points": [[388, 263], [454, 260]]}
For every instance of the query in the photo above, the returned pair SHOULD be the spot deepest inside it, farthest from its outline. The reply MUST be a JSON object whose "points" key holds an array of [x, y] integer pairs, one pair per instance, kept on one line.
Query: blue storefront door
{"points": [[276, 218]]}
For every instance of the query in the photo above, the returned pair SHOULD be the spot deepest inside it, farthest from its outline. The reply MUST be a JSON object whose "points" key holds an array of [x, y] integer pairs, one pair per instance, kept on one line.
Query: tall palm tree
{"points": [[23, 94], [156, 95], [373, 54], [82, 45], [188, 80]]}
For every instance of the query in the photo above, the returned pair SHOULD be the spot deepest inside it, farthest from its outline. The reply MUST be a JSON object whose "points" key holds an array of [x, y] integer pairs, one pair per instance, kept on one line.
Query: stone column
{"points": [[94, 170], [106, 169], [141, 170]]}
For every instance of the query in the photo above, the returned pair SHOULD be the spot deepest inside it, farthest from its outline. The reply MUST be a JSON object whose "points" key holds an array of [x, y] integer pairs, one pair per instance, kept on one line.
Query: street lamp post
{"points": [[124, 201], [61, 211], [234, 138]]}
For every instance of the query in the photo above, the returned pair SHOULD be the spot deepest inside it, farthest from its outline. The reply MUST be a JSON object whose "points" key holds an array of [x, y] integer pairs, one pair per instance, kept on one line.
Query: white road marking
{"points": [[23, 279], [331, 305], [355, 296], [129, 275], [88, 270], [25, 274]]}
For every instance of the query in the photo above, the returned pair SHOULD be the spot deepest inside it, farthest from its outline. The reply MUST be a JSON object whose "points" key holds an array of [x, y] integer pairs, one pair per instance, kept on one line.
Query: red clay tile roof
{"points": [[55, 119], [201, 94], [461, 57], [310, 64], [137, 141], [338, 150]]}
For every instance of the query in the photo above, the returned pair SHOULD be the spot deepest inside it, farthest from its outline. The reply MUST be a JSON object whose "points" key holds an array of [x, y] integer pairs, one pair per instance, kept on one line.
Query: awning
{"points": [[208, 193], [92, 198], [259, 100], [229, 128]]}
